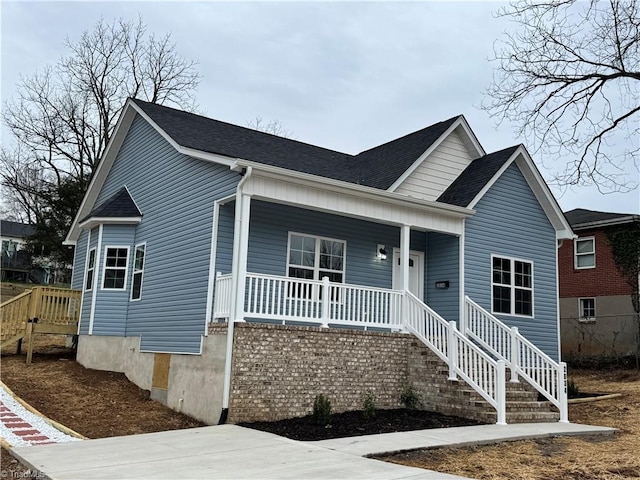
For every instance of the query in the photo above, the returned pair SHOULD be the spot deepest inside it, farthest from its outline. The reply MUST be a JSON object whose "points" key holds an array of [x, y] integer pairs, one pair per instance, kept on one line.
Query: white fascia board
{"points": [[539, 188], [100, 175], [355, 189], [607, 223], [470, 140], [95, 221]]}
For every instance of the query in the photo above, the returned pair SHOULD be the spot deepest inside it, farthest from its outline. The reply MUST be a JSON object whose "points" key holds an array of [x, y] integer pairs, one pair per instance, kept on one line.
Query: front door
{"points": [[416, 272]]}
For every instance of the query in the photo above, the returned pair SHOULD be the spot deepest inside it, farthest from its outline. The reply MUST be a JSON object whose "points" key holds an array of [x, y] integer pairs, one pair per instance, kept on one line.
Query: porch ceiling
{"points": [[378, 206]]}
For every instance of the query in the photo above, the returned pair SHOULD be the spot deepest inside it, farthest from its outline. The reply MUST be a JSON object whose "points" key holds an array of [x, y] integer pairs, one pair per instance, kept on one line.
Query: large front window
{"points": [[313, 258], [512, 286], [115, 268]]}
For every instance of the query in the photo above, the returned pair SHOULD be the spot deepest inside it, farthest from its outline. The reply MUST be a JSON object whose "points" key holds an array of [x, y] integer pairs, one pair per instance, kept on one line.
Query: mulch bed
{"points": [[355, 423]]}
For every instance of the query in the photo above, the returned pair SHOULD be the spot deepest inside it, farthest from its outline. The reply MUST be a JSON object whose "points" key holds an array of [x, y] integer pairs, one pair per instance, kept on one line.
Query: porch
{"points": [[480, 349]]}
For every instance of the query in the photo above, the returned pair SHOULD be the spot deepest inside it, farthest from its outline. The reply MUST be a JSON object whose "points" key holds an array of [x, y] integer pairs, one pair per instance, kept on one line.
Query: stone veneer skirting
{"points": [[279, 370]]}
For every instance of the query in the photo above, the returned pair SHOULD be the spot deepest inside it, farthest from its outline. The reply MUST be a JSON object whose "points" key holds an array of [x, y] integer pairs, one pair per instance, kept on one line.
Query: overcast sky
{"points": [[346, 76]]}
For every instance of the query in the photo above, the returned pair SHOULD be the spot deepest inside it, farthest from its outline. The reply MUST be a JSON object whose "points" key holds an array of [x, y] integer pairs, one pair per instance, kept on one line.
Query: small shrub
{"points": [[410, 397], [572, 389], [322, 410], [369, 405]]}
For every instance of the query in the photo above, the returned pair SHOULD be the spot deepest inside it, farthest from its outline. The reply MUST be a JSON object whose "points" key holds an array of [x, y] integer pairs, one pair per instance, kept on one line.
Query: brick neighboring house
{"points": [[596, 312]]}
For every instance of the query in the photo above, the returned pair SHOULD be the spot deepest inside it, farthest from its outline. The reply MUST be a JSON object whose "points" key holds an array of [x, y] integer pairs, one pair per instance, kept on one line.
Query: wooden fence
{"points": [[39, 310]]}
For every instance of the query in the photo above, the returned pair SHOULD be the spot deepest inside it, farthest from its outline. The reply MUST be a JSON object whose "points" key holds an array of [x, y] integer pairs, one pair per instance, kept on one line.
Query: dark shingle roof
{"points": [[16, 229], [473, 178], [119, 205], [381, 166], [378, 167], [581, 216]]}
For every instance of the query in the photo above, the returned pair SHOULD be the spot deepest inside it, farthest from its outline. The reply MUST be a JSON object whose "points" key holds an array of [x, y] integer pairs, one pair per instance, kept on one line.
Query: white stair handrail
{"points": [[484, 374], [523, 357]]}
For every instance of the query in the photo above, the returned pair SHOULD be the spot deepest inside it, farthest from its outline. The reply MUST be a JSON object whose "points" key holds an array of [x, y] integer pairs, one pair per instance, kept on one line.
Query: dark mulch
{"points": [[354, 423]]}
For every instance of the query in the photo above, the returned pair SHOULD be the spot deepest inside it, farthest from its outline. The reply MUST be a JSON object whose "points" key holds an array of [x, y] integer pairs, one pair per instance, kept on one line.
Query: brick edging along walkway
{"points": [[22, 425]]}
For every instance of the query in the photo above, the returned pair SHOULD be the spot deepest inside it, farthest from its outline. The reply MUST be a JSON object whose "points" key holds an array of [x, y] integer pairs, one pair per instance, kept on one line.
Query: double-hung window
{"points": [[91, 268], [312, 258], [512, 286], [138, 271], [585, 252], [116, 261]]}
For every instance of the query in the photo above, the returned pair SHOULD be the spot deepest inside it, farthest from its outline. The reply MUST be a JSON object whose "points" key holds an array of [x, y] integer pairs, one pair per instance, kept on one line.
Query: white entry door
{"points": [[416, 272]]}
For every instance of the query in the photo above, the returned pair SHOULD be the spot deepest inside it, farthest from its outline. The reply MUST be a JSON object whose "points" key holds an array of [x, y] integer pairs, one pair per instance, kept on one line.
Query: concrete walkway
{"points": [[229, 451]]}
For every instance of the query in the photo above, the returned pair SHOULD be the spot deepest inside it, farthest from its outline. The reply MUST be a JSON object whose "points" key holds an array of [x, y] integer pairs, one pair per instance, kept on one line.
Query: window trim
{"points": [[125, 268], [576, 254], [581, 317], [140, 271], [512, 286], [92, 269], [316, 267]]}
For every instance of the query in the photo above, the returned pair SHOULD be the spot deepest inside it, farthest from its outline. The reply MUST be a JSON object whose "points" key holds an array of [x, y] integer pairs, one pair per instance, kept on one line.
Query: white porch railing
{"points": [[523, 357], [222, 300], [484, 374]]}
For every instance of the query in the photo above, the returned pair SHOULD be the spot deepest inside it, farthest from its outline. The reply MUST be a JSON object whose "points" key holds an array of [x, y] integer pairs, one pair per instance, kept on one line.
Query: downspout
{"points": [[233, 313]]}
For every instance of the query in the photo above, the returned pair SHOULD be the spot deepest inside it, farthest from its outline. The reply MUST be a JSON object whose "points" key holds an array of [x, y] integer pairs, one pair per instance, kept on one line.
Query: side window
{"points": [[138, 272], [91, 268], [512, 286], [116, 260], [585, 252]]}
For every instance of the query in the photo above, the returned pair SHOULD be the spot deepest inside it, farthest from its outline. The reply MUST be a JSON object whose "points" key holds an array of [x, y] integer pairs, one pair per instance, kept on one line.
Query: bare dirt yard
{"points": [[594, 458]]}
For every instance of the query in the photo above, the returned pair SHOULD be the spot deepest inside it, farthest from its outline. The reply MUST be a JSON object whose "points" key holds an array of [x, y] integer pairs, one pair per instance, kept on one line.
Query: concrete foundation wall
{"points": [[194, 385], [613, 332]]}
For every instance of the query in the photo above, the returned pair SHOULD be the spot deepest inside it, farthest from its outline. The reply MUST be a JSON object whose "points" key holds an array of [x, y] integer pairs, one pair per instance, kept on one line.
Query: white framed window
{"points": [[116, 261], [587, 310], [138, 271], [312, 257], [511, 286], [585, 252], [91, 268]]}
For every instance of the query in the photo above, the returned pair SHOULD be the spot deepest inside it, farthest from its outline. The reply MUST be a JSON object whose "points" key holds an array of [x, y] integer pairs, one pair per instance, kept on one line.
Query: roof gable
{"points": [[476, 180], [120, 207]]}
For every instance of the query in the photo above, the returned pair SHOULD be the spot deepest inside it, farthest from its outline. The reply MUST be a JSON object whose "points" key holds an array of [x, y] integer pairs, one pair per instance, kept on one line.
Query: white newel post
{"points": [[562, 393], [326, 301], [501, 392], [515, 354], [452, 350], [405, 236]]}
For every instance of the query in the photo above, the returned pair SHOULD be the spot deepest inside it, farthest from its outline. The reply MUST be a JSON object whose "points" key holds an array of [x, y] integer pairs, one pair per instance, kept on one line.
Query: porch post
{"points": [[240, 273]]}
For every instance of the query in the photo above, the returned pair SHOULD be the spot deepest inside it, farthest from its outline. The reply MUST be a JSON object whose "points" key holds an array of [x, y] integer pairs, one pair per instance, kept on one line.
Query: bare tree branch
{"points": [[569, 80]]}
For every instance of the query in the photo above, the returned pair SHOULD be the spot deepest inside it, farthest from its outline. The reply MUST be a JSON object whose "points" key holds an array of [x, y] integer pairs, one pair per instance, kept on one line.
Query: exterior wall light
{"points": [[381, 253]]}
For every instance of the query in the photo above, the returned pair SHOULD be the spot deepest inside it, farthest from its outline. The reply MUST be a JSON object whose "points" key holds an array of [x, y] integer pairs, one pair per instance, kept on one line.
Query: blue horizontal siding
{"points": [[443, 263], [110, 316], [509, 221], [87, 296], [176, 195], [79, 259]]}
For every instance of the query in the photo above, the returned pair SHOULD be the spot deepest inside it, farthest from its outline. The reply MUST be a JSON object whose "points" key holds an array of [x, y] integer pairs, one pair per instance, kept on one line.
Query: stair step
{"points": [[525, 417]]}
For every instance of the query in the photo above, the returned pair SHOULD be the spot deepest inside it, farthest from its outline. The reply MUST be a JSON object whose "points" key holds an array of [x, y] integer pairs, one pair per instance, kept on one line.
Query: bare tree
{"points": [[274, 127], [63, 116], [569, 79]]}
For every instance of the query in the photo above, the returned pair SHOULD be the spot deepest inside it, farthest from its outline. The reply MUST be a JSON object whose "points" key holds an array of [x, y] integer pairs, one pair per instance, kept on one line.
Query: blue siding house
{"points": [[189, 222]]}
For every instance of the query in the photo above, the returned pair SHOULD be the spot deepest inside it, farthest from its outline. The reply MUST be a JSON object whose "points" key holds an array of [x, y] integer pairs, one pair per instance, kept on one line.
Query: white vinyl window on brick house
{"points": [[587, 309], [138, 271], [511, 286], [585, 252], [116, 261], [91, 268]]}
